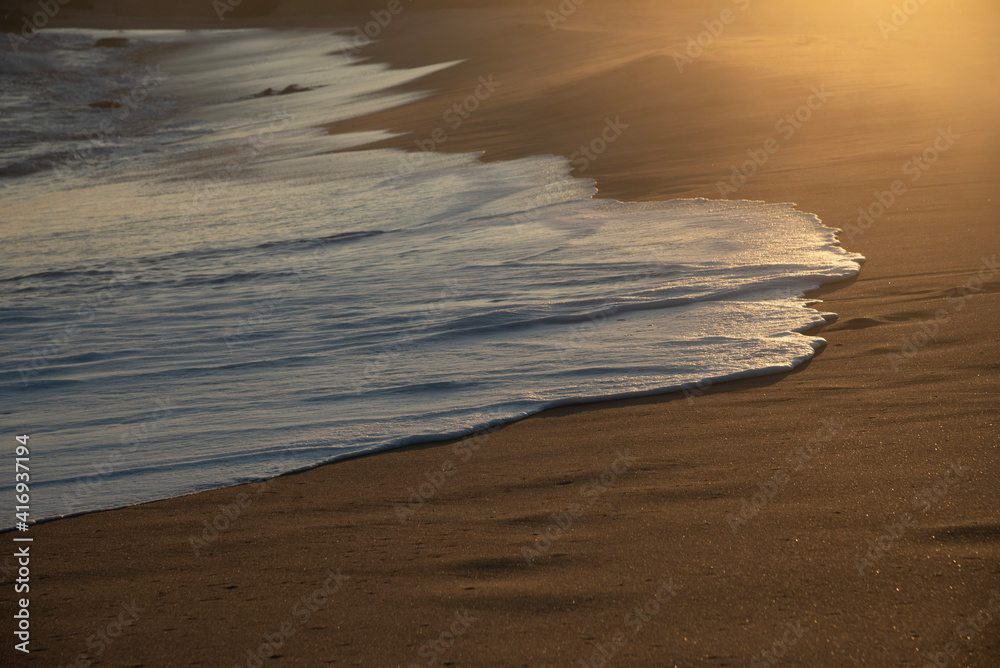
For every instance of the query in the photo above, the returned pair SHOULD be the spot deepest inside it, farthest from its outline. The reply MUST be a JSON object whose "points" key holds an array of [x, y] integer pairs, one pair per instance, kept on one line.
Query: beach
{"points": [[840, 514]]}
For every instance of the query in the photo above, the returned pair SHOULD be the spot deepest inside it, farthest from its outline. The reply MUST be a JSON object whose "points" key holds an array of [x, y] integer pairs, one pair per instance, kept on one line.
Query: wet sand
{"points": [[842, 514]]}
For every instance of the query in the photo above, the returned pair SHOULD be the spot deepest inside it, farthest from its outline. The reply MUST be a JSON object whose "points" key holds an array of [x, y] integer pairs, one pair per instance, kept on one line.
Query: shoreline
{"points": [[686, 390], [689, 461]]}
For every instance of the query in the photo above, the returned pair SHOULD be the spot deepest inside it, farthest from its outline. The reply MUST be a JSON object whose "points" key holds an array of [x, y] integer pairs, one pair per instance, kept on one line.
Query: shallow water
{"points": [[209, 295]]}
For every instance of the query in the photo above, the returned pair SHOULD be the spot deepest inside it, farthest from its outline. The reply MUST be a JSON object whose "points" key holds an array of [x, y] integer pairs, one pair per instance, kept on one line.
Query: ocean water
{"points": [[201, 288]]}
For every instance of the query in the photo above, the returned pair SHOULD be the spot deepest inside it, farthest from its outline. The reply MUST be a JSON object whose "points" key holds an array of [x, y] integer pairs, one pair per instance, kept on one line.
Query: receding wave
{"points": [[232, 295]]}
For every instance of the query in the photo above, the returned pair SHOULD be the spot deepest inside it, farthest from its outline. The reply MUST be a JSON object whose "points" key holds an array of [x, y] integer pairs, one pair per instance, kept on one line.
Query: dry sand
{"points": [[835, 452]]}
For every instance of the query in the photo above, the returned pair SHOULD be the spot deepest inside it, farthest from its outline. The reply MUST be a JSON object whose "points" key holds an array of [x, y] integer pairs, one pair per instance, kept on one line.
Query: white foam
{"points": [[299, 306]]}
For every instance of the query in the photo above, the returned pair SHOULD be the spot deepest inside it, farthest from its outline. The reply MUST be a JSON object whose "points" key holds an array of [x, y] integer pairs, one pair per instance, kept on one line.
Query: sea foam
{"points": [[226, 294]]}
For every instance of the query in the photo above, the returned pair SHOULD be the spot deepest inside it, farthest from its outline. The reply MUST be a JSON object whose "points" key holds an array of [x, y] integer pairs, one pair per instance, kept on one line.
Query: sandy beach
{"points": [[842, 514]]}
